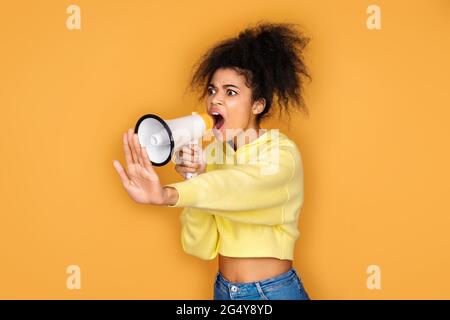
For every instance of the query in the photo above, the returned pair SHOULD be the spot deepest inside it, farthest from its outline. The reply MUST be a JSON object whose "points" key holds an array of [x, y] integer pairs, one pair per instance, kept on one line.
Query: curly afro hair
{"points": [[270, 56]]}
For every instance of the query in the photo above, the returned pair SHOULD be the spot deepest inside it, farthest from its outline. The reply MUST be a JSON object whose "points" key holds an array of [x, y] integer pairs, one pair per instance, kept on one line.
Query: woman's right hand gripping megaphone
{"points": [[190, 160]]}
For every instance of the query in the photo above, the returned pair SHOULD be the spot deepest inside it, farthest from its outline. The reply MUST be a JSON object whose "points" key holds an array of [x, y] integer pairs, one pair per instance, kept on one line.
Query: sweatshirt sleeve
{"points": [[237, 191]]}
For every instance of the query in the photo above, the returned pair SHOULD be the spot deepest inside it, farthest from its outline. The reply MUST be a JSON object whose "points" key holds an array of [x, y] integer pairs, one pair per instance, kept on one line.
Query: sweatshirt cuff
{"points": [[184, 193]]}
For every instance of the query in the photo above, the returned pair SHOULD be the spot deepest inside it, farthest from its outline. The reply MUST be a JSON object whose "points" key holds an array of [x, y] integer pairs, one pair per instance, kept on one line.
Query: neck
{"points": [[247, 138]]}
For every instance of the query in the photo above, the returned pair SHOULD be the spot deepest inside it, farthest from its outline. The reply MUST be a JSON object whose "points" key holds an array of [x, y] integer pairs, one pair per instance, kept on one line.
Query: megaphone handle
{"points": [[190, 175]]}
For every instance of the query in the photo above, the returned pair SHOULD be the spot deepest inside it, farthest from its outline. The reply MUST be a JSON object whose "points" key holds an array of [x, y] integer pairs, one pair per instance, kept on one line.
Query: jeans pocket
{"points": [[286, 290], [301, 288], [220, 292]]}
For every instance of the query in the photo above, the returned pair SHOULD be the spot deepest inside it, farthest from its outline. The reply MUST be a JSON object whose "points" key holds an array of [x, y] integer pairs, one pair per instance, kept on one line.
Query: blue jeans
{"points": [[286, 286]]}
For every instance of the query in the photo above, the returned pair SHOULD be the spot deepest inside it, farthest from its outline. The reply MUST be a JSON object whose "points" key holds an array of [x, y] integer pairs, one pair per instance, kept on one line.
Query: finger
{"points": [[138, 148], [126, 149], [122, 174], [190, 164], [177, 160], [179, 169], [188, 152], [187, 169], [178, 153], [188, 149], [190, 158], [197, 151], [131, 144], [195, 148]]}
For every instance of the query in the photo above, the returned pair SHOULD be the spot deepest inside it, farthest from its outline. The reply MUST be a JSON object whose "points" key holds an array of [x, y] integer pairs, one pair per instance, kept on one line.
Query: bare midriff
{"points": [[252, 269]]}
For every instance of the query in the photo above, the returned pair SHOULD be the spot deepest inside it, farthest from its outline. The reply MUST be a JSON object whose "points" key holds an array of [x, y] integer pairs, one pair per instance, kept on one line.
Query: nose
{"points": [[216, 100]]}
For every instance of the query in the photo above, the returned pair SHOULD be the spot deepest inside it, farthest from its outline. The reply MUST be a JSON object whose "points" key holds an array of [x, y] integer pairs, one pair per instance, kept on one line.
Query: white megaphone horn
{"points": [[162, 137]]}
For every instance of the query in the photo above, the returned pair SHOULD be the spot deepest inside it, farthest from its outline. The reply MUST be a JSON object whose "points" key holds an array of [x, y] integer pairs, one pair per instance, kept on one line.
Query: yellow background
{"points": [[375, 148]]}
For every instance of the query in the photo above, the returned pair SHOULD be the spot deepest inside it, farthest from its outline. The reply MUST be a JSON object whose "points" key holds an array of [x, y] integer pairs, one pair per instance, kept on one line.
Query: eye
{"points": [[211, 91], [234, 92]]}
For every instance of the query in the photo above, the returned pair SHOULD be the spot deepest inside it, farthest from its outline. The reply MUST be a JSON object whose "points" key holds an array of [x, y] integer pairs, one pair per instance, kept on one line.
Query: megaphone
{"points": [[162, 137]]}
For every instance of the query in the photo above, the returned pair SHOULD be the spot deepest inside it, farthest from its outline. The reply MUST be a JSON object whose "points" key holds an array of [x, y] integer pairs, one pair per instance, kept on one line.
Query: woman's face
{"points": [[229, 102]]}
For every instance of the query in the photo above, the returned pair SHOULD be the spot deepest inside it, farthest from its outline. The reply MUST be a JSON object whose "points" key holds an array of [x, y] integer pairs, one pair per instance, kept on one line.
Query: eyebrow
{"points": [[224, 86]]}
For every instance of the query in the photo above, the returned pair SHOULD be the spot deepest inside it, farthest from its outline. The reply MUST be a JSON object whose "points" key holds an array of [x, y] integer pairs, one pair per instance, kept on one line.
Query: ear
{"points": [[258, 106]]}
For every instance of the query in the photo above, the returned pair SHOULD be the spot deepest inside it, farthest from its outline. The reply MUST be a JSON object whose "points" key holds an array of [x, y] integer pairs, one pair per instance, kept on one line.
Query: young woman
{"points": [[244, 203]]}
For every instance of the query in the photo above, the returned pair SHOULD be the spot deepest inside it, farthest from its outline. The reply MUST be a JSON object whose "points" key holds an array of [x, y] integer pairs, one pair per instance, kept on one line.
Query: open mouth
{"points": [[218, 120]]}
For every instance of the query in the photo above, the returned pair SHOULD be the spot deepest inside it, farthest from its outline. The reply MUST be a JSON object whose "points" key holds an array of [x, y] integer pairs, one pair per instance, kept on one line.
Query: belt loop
{"points": [[260, 291]]}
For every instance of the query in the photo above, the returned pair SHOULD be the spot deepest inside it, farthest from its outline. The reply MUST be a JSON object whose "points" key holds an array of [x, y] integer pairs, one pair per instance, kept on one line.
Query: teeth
{"points": [[215, 113]]}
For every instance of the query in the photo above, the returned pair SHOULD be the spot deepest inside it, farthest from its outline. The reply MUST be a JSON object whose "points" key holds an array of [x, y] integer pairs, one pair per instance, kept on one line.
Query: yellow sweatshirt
{"points": [[247, 202]]}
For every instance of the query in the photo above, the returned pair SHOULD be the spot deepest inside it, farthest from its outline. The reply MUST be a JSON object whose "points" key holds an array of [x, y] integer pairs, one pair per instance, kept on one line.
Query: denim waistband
{"points": [[291, 273]]}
